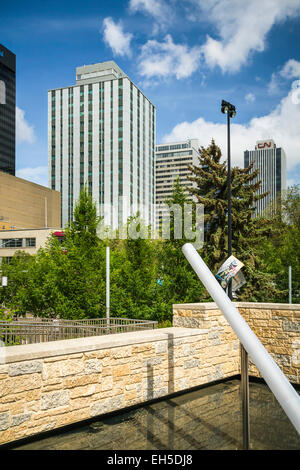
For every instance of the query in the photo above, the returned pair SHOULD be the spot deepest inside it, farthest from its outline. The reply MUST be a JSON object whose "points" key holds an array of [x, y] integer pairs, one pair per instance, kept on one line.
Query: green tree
{"points": [[282, 248], [247, 232], [133, 277], [179, 283], [15, 295], [66, 281], [82, 229]]}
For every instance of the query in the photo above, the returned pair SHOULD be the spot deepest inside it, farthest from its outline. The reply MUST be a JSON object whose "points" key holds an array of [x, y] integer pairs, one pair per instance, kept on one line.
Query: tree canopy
{"points": [[210, 179], [148, 276]]}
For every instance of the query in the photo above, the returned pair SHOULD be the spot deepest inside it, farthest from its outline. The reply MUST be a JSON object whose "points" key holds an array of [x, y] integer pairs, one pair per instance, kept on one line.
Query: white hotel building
{"points": [[101, 132]]}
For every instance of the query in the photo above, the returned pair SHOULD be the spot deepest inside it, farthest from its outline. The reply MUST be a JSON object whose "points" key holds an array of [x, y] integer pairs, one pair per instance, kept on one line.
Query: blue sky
{"points": [[185, 55]]}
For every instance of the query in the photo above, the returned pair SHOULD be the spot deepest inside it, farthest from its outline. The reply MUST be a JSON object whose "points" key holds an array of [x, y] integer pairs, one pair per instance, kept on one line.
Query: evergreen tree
{"points": [[247, 232]]}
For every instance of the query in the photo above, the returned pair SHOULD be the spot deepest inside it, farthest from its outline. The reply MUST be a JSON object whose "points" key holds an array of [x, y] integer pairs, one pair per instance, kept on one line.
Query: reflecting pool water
{"points": [[209, 418]]}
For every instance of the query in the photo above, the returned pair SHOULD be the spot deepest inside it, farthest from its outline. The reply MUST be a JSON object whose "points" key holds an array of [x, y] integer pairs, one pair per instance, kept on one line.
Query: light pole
{"points": [[229, 109], [107, 286], [290, 284]]}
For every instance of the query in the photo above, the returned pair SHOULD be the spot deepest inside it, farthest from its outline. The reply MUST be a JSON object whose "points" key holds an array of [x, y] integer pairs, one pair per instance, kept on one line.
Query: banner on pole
{"points": [[230, 270]]}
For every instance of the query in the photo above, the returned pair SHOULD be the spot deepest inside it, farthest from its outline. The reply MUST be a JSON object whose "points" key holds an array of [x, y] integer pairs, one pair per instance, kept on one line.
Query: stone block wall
{"points": [[277, 326], [49, 385], [197, 420]]}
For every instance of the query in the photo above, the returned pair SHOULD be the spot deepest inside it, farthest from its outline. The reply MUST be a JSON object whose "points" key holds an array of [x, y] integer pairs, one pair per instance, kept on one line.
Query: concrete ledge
{"points": [[252, 305], [80, 345]]}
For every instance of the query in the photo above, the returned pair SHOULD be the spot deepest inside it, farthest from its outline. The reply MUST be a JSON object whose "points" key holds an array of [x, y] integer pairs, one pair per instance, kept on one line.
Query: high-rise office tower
{"points": [[172, 161], [7, 110], [101, 132], [271, 162]]}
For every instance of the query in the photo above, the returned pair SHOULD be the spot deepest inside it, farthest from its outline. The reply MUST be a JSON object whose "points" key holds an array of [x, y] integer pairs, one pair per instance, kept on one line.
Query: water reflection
{"points": [[209, 418]]}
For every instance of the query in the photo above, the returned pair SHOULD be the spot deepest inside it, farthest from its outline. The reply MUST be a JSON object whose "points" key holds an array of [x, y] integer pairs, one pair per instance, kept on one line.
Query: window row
{"points": [[17, 242]]}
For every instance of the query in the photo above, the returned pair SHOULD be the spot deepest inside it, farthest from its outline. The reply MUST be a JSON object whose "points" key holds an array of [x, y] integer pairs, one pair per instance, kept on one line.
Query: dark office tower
{"points": [[271, 163], [7, 110]]}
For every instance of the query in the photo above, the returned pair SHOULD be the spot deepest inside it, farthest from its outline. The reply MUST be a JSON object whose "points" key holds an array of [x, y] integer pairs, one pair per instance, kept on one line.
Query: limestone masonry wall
{"points": [[49, 385], [276, 325]]}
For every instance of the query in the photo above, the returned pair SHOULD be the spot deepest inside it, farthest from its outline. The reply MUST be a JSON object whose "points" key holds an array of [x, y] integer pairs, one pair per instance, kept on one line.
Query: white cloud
{"points": [[292, 182], [156, 8], [274, 84], [290, 71], [242, 27], [115, 38], [282, 124], [24, 131], [250, 97], [37, 175], [163, 59]]}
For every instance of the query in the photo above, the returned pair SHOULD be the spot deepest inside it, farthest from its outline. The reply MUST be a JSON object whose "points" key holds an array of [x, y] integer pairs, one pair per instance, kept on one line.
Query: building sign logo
{"points": [[262, 144], [265, 144]]}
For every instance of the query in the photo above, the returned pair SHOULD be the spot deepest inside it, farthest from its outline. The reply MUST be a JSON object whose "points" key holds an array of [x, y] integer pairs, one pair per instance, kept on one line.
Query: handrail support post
{"points": [[245, 398]]}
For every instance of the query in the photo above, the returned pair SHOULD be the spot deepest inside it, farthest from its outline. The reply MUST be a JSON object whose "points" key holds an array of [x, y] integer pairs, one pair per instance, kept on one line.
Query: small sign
{"points": [[228, 270], [2, 92], [4, 281], [238, 281]]}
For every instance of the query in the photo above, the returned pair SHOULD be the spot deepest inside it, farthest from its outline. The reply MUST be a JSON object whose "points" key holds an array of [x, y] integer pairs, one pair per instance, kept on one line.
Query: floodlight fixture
{"points": [[228, 108]]}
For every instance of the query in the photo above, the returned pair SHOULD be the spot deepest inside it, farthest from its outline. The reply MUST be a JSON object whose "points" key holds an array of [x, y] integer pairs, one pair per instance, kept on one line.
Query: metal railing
{"points": [[286, 395], [31, 330]]}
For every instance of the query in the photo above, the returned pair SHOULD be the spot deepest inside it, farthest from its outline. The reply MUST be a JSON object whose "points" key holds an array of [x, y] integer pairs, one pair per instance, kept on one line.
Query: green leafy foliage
{"points": [[180, 283], [148, 276], [66, 281], [282, 248]]}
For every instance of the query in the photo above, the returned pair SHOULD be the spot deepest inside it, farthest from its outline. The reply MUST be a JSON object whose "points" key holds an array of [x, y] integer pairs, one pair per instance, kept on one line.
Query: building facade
{"points": [[172, 161], [271, 163], [27, 240], [24, 204], [7, 110], [101, 133]]}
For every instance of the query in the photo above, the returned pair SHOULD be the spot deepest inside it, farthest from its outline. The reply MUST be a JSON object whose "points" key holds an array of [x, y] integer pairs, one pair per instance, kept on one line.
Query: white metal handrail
{"points": [[286, 395]]}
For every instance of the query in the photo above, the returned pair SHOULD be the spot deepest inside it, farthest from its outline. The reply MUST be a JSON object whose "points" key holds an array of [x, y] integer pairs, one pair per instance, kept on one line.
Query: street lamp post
{"points": [[107, 287], [229, 109]]}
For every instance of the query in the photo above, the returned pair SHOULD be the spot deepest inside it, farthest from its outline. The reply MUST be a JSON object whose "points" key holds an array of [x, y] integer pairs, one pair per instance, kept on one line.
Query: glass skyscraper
{"points": [[271, 162], [7, 110], [101, 133]]}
